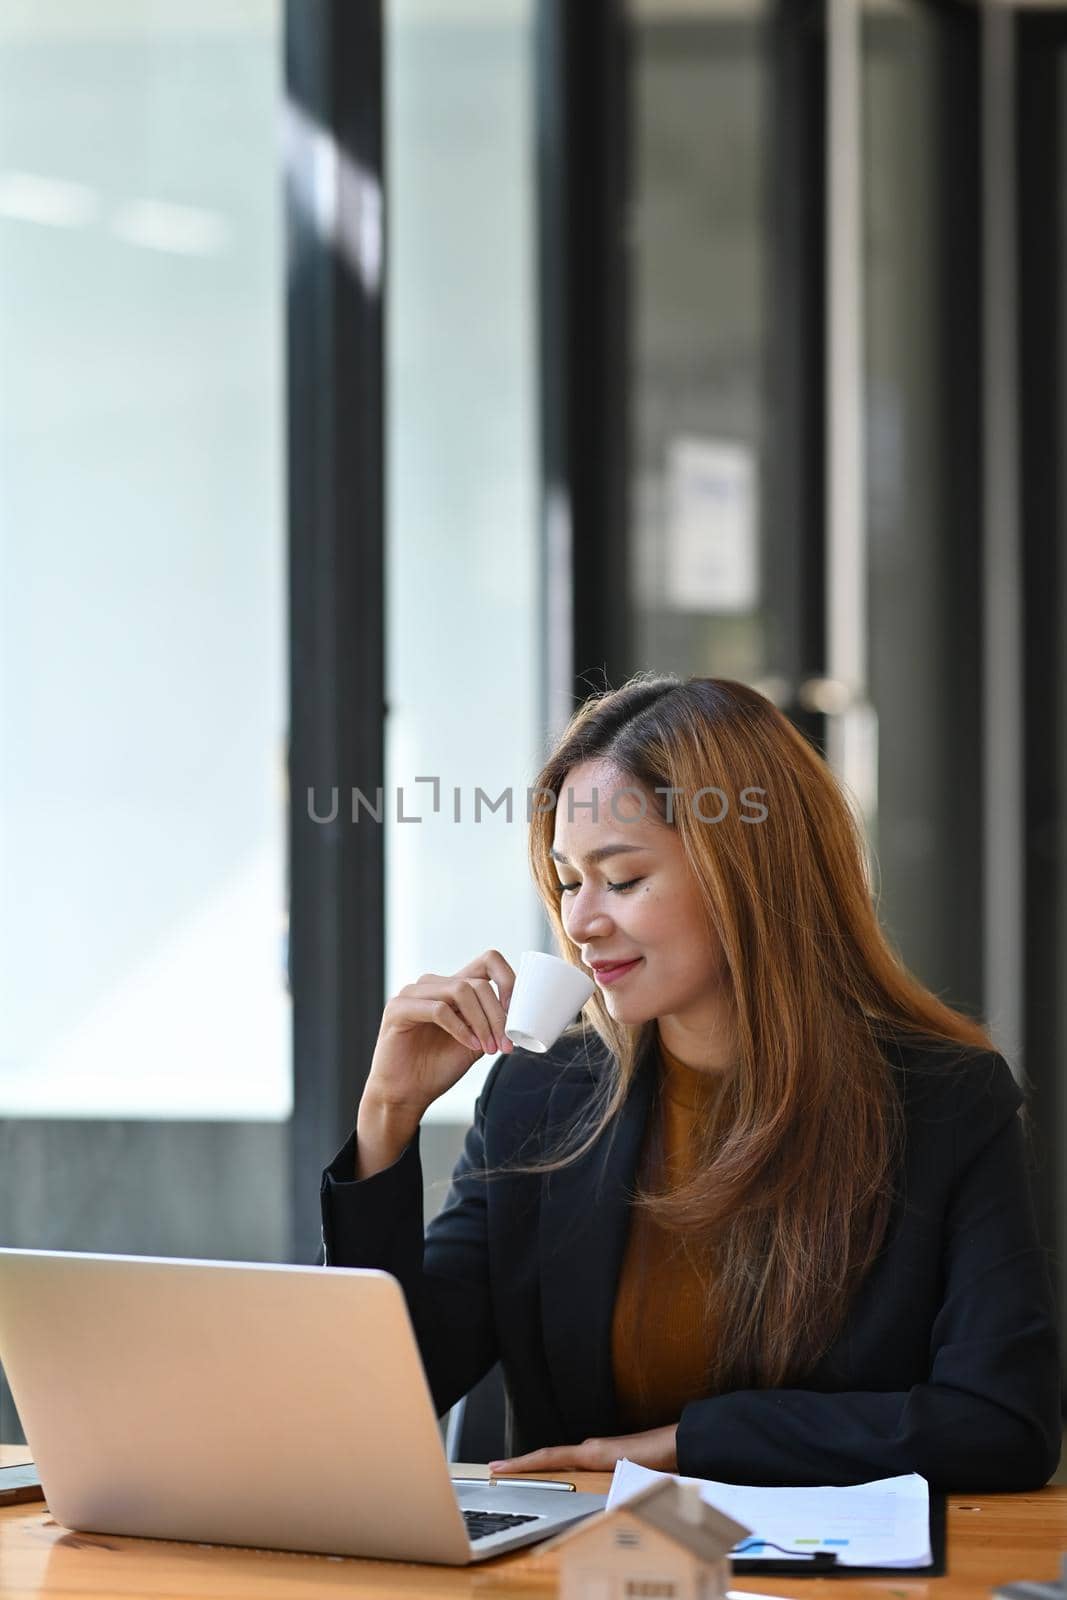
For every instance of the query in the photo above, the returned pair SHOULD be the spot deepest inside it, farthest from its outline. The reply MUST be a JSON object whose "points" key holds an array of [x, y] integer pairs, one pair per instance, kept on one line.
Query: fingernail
{"points": [[496, 1466]]}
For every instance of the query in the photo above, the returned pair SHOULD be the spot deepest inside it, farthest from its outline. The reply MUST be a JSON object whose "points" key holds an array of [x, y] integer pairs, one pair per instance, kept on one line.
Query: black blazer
{"points": [[947, 1364]]}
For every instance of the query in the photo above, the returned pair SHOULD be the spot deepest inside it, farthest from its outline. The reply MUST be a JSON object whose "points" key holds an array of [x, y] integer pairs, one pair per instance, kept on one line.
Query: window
{"points": [[462, 469], [142, 553]]}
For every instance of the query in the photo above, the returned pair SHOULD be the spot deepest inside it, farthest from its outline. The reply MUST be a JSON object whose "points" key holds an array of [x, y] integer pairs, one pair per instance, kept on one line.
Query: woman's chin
{"points": [[629, 1010]]}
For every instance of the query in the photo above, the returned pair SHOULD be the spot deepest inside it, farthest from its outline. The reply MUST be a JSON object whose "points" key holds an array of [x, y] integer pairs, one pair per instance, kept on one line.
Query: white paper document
{"points": [[881, 1524]]}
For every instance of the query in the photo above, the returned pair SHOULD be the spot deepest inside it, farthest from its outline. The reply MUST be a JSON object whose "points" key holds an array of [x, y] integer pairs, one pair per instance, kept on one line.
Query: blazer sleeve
{"points": [[378, 1222], [988, 1415]]}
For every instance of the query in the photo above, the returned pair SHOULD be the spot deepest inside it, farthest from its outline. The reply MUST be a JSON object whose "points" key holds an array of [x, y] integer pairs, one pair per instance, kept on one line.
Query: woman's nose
{"points": [[586, 918]]}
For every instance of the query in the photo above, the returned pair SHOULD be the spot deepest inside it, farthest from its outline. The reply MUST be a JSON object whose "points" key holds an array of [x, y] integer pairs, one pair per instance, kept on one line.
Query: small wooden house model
{"points": [[664, 1543]]}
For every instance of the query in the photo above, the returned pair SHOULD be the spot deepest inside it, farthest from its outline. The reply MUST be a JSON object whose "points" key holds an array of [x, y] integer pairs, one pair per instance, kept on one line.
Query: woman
{"points": [[769, 1220]]}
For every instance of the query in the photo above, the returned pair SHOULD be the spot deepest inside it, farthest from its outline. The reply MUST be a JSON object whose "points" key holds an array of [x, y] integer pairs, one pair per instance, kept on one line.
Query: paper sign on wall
{"points": [[712, 526]]}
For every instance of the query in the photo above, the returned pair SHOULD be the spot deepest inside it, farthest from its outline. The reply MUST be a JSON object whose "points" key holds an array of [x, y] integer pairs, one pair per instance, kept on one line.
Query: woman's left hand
{"points": [[656, 1448]]}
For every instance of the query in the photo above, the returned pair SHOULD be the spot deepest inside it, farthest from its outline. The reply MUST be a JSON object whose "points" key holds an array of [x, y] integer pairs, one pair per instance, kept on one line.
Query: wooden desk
{"points": [[991, 1539]]}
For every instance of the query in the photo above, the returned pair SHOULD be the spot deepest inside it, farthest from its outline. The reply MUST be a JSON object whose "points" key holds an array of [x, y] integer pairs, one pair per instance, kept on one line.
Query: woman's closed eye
{"points": [[617, 888]]}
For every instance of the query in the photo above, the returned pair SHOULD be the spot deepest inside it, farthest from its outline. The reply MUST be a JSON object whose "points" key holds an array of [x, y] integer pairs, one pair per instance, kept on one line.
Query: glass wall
{"points": [[923, 487], [462, 474], [143, 682], [142, 646], [698, 264]]}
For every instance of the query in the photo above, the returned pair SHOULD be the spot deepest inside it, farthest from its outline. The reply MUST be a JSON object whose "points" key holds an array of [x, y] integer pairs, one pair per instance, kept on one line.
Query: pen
{"points": [[519, 1483]]}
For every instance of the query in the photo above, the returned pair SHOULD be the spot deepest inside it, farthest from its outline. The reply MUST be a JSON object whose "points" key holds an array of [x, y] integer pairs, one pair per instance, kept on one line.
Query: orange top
{"points": [[661, 1343]]}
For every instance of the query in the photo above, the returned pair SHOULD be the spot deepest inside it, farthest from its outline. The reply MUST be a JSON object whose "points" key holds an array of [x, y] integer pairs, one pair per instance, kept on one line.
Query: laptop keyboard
{"points": [[480, 1524]]}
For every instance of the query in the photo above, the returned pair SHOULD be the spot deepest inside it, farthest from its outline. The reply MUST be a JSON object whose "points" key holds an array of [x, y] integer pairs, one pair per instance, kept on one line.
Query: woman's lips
{"points": [[613, 974]]}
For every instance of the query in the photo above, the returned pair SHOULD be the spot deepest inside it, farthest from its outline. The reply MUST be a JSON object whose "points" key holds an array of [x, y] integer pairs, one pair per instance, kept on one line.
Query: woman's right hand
{"points": [[432, 1032]]}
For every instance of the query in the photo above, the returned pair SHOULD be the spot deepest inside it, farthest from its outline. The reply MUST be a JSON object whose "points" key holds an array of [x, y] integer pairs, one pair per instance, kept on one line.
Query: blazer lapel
{"points": [[585, 1212]]}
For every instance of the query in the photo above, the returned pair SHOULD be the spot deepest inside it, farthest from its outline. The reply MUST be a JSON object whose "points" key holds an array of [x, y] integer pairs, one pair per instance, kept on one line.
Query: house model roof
{"points": [[675, 1509]]}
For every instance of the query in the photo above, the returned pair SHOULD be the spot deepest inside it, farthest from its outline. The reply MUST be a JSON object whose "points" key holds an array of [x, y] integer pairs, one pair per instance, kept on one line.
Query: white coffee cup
{"points": [[548, 994]]}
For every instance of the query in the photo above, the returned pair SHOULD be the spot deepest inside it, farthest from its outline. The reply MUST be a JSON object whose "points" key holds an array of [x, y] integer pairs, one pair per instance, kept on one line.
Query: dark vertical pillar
{"points": [[794, 464], [583, 109], [335, 225], [961, 812], [1041, 56]]}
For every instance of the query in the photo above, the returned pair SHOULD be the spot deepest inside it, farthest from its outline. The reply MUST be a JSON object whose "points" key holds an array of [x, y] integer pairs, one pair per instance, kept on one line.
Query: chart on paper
{"points": [[881, 1524]]}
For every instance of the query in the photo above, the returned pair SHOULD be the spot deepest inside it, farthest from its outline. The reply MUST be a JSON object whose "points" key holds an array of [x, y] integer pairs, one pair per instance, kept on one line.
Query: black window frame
{"points": [[336, 507]]}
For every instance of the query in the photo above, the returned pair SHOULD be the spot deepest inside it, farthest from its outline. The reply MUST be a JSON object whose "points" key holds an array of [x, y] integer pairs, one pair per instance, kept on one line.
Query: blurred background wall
{"points": [[378, 380]]}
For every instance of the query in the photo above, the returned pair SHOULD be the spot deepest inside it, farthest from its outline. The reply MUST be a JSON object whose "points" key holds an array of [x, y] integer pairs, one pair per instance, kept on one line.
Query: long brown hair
{"points": [[792, 1198]]}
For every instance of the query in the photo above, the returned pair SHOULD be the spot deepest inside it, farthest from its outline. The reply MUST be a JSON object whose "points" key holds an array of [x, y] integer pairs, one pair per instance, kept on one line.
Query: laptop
{"points": [[279, 1407]]}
